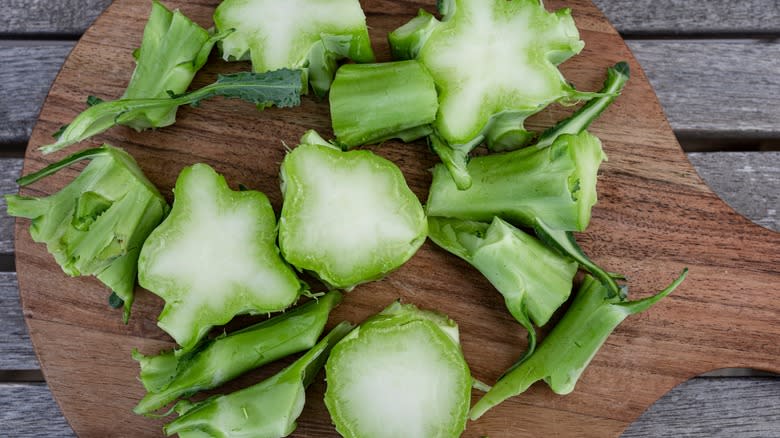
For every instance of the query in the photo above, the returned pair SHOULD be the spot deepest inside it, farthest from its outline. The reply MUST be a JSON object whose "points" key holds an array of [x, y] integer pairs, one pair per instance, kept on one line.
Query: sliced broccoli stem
{"points": [[617, 76], [565, 353], [268, 409], [370, 103], [168, 376], [399, 374], [564, 242], [555, 184]]}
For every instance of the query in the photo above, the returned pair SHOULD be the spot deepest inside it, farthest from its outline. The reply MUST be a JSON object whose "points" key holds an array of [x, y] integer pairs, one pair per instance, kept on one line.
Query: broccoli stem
{"points": [[555, 184], [617, 76], [407, 40], [370, 103], [169, 376], [568, 349], [267, 409]]}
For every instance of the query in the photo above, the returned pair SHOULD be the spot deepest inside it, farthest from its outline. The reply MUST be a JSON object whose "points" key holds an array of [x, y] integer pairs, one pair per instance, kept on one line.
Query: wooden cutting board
{"points": [[654, 217]]}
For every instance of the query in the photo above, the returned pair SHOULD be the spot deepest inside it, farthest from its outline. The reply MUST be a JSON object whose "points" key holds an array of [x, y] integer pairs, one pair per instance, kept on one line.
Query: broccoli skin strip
{"points": [[96, 224], [214, 257]]}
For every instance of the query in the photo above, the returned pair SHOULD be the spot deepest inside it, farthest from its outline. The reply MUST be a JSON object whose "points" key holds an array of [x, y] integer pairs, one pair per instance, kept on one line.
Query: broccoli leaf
{"points": [[280, 88]]}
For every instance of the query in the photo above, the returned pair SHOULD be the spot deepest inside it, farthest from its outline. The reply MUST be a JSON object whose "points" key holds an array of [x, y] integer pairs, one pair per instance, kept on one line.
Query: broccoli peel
{"points": [[534, 280], [301, 34], [168, 376], [555, 184], [97, 223], [564, 354], [215, 257], [267, 409]]}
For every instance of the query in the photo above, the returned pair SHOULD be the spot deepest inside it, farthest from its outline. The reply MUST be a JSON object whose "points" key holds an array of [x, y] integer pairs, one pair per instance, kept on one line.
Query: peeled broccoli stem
{"points": [[555, 184], [534, 280], [169, 376], [267, 409], [565, 353], [370, 103]]}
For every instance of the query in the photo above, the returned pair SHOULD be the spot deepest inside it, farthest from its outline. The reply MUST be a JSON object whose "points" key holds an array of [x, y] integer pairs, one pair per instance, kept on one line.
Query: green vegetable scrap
{"points": [[494, 64], [534, 280], [349, 217], [168, 376], [556, 185], [173, 49], [399, 374], [266, 410], [96, 224], [279, 88], [370, 103], [312, 35], [568, 349], [214, 257]]}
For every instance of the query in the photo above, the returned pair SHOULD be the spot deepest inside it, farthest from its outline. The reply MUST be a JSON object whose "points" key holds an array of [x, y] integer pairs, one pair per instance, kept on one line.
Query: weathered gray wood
{"points": [[685, 17], [16, 352], [57, 17], [715, 87], [748, 182], [26, 74], [28, 410], [677, 17], [10, 168], [714, 407], [703, 407]]}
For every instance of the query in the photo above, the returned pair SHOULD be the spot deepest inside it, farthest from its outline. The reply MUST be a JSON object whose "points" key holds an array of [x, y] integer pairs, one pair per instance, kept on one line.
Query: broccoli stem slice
{"points": [[555, 184], [168, 376], [534, 280], [267, 409], [87, 154], [617, 77], [564, 242], [279, 88], [401, 373], [407, 40], [565, 353], [370, 103]]}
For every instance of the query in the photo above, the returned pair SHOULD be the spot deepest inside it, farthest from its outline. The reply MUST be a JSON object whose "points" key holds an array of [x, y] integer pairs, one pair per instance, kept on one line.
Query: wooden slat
{"points": [[685, 17], [710, 87], [10, 168], [749, 182], [28, 410], [703, 407], [49, 17], [677, 17], [26, 73], [16, 351], [715, 88], [714, 407]]}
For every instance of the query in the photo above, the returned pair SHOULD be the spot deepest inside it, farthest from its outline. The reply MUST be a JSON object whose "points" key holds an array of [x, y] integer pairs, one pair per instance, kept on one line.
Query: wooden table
{"points": [[715, 65]]}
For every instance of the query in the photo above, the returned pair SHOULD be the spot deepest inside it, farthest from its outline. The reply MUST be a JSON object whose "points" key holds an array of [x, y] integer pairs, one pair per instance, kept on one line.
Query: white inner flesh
{"points": [[351, 214], [489, 63], [399, 385], [215, 254], [285, 30]]}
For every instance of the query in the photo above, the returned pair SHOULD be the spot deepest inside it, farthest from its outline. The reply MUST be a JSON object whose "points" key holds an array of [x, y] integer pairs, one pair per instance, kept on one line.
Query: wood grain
{"points": [[654, 217], [10, 169], [702, 85], [28, 410], [676, 17], [16, 351]]}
